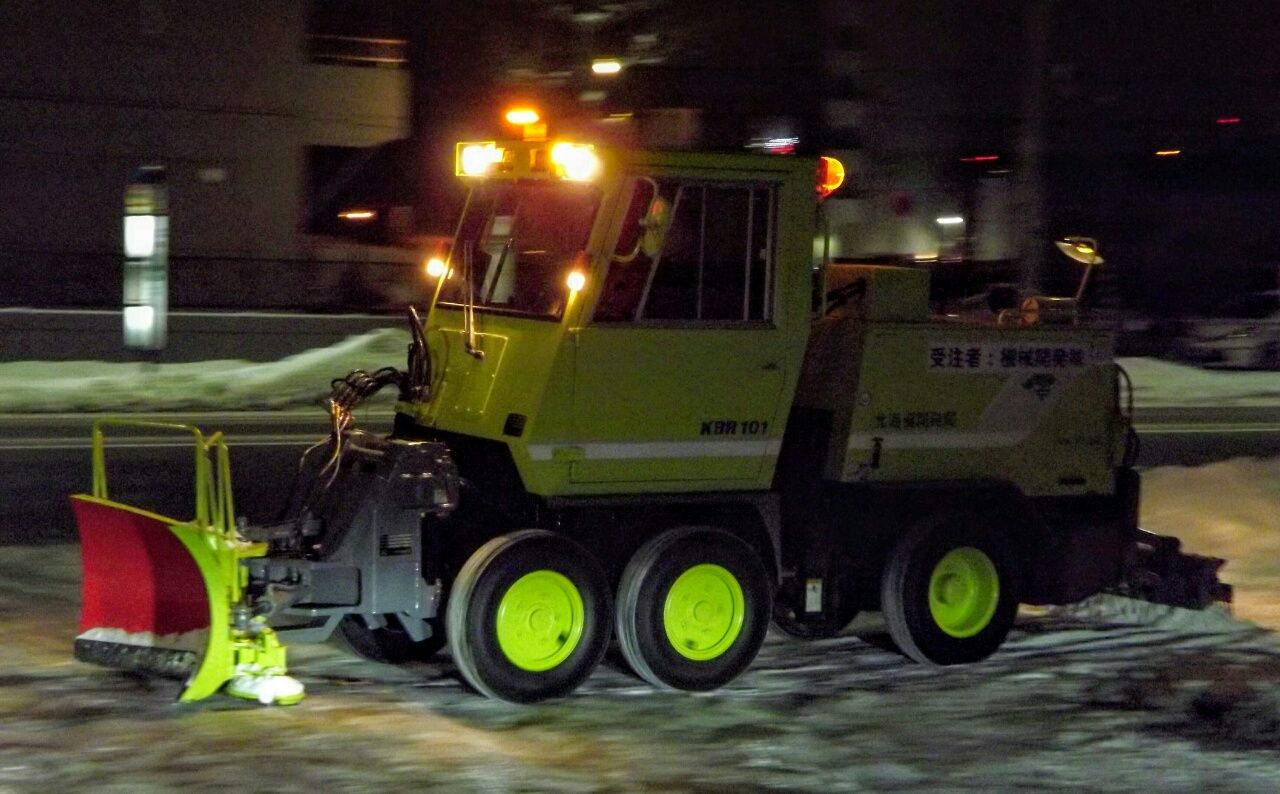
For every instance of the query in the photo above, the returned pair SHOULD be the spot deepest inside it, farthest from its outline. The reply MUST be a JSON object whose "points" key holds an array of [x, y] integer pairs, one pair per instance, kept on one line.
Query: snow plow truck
{"points": [[639, 407]]}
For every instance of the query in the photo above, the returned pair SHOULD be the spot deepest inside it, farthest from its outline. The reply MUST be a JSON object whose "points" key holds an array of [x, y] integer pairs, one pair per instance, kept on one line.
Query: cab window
{"points": [[691, 251], [516, 243]]}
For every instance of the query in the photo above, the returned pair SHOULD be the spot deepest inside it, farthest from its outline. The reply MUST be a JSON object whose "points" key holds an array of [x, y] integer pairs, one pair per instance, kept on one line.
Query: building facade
{"points": [[232, 97]]}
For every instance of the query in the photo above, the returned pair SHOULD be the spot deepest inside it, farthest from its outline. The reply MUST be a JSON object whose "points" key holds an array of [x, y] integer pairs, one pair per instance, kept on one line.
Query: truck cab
{"points": [[633, 326]]}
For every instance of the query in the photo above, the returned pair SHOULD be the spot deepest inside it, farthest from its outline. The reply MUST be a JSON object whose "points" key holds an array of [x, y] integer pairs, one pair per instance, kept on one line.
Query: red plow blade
{"points": [[144, 602], [158, 593]]}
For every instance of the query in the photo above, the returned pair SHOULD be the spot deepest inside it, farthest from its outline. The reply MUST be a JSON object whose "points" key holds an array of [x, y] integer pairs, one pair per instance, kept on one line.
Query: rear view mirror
{"points": [[655, 223], [638, 227]]}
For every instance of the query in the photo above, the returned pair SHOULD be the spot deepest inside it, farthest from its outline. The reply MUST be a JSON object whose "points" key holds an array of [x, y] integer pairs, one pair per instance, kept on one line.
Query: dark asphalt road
{"points": [[44, 458], [1195, 436]]}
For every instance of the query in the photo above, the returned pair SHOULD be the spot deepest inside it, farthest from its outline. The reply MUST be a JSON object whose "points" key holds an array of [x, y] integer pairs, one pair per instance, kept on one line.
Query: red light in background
{"points": [[1227, 120], [981, 158]]}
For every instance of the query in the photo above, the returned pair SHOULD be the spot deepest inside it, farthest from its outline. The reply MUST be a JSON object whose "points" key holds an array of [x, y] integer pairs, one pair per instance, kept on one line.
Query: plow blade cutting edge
{"points": [[166, 597]]}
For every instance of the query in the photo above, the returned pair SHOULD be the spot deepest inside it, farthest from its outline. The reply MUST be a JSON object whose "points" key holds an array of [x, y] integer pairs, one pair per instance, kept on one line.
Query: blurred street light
{"points": [[606, 66]]}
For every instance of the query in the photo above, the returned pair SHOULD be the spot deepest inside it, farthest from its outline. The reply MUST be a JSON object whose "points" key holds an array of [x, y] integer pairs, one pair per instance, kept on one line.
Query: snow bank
{"points": [[43, 386], [1161, 383], [1231, 510]]}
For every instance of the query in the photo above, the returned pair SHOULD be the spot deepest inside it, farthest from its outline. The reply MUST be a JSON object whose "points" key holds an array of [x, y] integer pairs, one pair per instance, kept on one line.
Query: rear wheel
{"points": [[950, 592], [528, 616], [693, 608], [390, 644]]}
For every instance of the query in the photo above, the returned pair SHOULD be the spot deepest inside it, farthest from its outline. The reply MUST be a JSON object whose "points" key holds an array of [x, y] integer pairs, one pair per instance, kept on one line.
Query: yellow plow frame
{"points": [[142, 607]]}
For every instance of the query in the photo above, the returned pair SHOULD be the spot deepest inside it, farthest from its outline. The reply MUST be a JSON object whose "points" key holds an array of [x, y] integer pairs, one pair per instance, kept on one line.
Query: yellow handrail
{"points": [[215, 508]]}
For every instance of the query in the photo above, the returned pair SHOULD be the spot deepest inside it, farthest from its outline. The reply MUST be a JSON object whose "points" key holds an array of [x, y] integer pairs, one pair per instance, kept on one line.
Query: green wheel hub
{"points": [[704, 612], [540, 620], [963, 592]]}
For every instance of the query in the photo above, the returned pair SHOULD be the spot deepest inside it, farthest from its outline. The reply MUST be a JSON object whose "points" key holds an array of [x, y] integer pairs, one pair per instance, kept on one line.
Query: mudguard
{"points": [[166, 597]]}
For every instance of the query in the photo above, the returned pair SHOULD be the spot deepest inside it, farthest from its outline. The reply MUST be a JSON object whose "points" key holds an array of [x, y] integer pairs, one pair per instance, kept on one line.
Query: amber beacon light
{"points": [[830, 175], [522, 116]]}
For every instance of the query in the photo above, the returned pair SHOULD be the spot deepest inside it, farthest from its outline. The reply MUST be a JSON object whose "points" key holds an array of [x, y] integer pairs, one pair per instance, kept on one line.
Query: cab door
{"points": [[679, 372]]}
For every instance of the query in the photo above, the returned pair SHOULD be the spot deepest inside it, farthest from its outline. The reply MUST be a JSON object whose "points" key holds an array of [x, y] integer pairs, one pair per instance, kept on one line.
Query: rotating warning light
{"points": [[830, 175], [575, 161], [522, 116], [475, 159]]}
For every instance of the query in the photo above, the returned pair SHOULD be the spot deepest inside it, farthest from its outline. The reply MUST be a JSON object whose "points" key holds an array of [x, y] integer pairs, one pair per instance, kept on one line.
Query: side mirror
{"points": [[655, 224], [644, 231]]}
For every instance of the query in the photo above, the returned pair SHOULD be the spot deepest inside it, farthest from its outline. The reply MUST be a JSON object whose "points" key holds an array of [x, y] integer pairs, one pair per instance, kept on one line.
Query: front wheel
{"points": [[693, 608], [528, 616], [950, 591]]}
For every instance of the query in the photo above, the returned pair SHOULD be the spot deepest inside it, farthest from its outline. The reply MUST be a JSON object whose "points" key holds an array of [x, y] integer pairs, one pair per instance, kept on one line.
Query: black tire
{"points": [[905, 592], [473, 613], [389, 645], [646, 589]]}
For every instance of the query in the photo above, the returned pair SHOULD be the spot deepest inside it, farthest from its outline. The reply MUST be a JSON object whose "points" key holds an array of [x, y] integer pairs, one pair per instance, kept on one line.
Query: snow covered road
{"points": [[1110, 695], [1187, 704]]}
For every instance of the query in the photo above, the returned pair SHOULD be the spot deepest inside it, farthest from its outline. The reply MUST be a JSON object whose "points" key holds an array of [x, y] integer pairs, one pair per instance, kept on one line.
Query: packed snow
{"points": [[302, 379], [93, 386], [186, 641], [1110, 695], [1159, 383], [1229, 509]]}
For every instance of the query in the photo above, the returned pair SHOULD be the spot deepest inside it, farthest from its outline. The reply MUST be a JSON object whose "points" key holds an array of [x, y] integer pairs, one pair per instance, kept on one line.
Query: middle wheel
{"points": [[693, 608], [528, 616]]}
